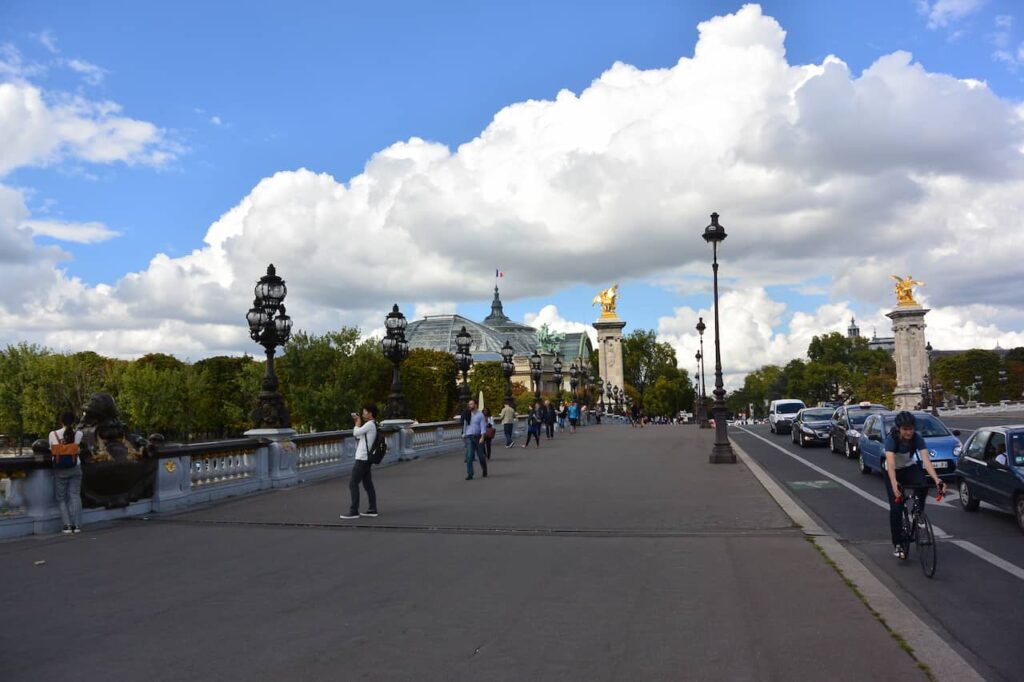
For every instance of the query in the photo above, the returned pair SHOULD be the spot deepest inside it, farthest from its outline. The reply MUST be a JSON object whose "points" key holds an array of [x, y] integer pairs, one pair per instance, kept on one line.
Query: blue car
{"points": [[992, 470], [943, 446]]}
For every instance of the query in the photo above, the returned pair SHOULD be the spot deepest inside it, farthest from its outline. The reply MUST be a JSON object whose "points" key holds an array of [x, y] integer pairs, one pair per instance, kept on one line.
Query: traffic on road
{"points": [[975, 596]]}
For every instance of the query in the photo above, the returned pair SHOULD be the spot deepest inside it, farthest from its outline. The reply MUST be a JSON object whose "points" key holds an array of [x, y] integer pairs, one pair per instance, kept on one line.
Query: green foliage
{"points": [[644, 359], [671, 393], [488, 377], [429, 382], [947, 369]]}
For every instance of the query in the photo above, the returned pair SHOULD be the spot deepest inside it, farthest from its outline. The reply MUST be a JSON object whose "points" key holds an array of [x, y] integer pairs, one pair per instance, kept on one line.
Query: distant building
{"points": [[438, 332], [886, 343]]}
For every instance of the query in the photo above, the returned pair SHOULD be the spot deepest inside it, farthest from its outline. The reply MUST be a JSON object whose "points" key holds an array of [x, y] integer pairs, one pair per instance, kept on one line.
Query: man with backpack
{"points": [[901, 471], [370, 449]]}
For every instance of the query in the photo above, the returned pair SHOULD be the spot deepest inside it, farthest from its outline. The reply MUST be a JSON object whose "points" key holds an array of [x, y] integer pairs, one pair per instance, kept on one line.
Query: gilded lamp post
{"points": [[270, 327], [721, 453]]}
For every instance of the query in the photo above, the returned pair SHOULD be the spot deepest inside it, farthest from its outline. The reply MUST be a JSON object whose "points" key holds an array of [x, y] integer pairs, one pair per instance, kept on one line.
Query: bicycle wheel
{"points": [[908, 533], [925, 542]]}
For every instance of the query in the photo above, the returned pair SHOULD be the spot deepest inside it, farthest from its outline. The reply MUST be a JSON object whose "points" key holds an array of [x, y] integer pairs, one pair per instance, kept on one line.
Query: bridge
{"points": [[610, 554]]}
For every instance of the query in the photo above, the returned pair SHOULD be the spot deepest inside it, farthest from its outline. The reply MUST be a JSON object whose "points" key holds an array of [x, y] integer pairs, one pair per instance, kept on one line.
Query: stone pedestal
{"points": [[910, 355], [609, 348]]}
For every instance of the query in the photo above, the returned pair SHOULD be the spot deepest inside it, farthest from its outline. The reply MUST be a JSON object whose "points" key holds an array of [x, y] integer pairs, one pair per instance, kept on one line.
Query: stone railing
{"points": [[982, 408]]}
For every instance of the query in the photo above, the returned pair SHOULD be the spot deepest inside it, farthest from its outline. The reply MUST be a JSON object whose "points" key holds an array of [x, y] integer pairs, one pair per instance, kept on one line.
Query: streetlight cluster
{"points": [[396, 349], [270, 326]]}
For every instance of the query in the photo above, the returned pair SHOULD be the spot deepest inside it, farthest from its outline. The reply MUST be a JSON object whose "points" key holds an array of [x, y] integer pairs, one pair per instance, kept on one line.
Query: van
{"points": [[781, 413]]}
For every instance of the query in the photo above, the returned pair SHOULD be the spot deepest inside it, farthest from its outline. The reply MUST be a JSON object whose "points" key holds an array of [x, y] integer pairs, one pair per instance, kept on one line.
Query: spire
{"points": [[497, 315], [853, 331]]}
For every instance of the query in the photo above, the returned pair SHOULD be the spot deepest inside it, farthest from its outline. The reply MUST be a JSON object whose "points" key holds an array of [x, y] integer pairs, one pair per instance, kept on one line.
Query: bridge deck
{"points": [[605, 555]]}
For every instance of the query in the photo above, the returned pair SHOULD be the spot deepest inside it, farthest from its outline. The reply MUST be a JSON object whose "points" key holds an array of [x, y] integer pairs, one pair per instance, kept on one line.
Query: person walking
{"points": [[574, 415], [508, 422], [488, 431], [534, 418], [65, 447], [474, 428], [366, 434], [563, 414], [549, 419]]}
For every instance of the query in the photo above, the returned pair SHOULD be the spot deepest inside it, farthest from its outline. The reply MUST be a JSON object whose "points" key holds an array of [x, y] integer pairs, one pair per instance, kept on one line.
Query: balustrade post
{"points": [[173, 483]]}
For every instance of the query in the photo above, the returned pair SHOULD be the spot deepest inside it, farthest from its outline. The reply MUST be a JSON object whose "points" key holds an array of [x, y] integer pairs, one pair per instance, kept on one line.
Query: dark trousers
{"points": [[550, 426], [487, 445], [475, 450], [508, 433], [533, 433], [908, 477], [361, 474]]}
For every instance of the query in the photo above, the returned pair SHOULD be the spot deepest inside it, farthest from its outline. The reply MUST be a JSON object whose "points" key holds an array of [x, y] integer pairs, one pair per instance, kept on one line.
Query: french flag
{"points": [[498, 273]]}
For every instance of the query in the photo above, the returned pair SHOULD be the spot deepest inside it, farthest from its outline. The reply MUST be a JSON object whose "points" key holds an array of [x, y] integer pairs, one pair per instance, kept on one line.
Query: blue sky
{"points": [[244, 90]]}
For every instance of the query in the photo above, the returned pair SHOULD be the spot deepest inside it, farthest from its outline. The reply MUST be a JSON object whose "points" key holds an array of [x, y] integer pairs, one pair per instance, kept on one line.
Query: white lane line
{"points": [[983, 554]]}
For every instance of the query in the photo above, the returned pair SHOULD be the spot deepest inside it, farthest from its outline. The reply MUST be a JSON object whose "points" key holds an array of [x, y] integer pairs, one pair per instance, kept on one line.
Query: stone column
{"points": [[609, 348], [910, 355]]}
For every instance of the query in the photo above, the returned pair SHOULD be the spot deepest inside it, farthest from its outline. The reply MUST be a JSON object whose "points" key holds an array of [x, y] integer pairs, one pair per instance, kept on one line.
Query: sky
{"points": [[154, 158]]}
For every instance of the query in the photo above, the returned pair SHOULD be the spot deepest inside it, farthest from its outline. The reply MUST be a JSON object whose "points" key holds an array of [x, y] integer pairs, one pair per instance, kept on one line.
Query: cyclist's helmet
{"points": [[905, 418]]}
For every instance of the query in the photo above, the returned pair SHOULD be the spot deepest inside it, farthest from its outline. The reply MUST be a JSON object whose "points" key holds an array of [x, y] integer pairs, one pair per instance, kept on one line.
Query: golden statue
{"points": [[905, 290], [607, 300]]}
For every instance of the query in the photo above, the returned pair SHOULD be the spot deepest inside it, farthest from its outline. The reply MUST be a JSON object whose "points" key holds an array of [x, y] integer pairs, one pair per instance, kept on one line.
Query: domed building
{"points": [[438, 332]]}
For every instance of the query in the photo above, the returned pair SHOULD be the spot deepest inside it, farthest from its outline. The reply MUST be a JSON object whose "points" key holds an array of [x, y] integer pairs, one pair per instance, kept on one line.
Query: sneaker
{"points": [[76, 530], [66, 530], [349, 516], [370, 513]]}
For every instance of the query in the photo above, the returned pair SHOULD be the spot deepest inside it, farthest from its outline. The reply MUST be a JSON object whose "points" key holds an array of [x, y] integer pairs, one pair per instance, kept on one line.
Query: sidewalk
{"points": [[610, 554]]}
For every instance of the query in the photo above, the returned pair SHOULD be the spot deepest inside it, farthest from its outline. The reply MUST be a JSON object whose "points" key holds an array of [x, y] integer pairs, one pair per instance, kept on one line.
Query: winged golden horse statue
{"points": [[905, 290], [606, 299]]}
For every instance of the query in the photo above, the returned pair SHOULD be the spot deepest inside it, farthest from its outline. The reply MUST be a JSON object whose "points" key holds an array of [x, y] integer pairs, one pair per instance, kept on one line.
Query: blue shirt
{"points": [[904, 450], [573, 411], [477, 425]]}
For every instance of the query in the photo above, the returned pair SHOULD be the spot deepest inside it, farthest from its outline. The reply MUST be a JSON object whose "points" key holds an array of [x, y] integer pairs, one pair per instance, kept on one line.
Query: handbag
{"points": [[489, 433], [65, 455]]}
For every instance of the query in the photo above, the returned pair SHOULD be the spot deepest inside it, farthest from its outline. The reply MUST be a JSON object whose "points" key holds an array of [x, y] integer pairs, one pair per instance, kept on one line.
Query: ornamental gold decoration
{"points": [[606, 299], [905, 290]]}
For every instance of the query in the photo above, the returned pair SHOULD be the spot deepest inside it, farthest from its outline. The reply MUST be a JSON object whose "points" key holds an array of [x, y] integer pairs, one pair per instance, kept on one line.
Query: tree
{"points": [[947, 369], [644, 359], [17, 364], [488, 377], [428, 379]]}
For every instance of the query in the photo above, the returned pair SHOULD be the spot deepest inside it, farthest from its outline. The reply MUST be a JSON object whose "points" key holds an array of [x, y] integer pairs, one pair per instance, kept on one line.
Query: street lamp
{"points": [[600, 394], [463, 361], [956, 385], [557, 371], [721, 453], [977, 387], [535, 373], [703, 415], [1002, 385], [574, 378], [508, 368], [270, 327], [396, 349]]}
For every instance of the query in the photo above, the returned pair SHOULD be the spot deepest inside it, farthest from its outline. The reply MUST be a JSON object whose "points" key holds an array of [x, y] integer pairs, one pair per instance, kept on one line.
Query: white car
{"points": [[781, 413]]}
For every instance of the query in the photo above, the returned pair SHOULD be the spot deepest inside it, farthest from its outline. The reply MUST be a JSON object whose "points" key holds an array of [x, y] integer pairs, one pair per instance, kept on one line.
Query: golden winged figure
{"points": [[607, 301], [905, 290]]}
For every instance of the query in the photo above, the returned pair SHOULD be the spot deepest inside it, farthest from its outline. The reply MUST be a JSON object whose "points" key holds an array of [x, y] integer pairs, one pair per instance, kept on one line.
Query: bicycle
{"points": [[917, 528]]}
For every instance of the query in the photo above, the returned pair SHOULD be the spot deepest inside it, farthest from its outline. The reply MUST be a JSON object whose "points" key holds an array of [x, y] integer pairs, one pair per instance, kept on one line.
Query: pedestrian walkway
{"points": [[609, 554]]}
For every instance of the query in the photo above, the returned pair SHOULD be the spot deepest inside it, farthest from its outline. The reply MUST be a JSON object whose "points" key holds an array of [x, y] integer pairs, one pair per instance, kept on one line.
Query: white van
{"points": [[781, 414]]}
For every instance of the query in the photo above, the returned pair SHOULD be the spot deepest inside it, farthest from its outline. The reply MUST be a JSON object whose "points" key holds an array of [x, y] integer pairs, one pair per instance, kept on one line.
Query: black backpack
{"points": [[379, 449]]}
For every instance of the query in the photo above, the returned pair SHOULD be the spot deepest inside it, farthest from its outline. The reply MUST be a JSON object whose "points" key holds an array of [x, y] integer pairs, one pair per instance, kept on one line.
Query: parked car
{"points": [[811, 425], [844, 432], [943, 446], [781, 413], [991, 469]]}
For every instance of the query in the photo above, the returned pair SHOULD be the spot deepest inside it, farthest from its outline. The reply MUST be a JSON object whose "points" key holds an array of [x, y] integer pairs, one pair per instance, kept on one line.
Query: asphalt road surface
{"points": [[976, 597]]}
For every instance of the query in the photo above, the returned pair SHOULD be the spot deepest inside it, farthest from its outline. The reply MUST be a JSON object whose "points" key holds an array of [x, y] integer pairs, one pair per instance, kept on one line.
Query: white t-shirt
{"points": [[369, 430], [57, 437]]}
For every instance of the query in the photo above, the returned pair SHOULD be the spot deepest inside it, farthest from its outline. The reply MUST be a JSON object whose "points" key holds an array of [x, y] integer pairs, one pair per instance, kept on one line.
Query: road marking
{"points": [[983, 554], [812, 485]]}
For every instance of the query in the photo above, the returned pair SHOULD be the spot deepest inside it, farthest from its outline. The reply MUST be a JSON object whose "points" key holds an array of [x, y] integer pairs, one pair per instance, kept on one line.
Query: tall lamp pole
{"points": [[508, 368], [557, 372], [463, 361], [704, 424], [270, 327], [396, 349], [600, 394], [1002, 385], [722, 452], [535, 373]]}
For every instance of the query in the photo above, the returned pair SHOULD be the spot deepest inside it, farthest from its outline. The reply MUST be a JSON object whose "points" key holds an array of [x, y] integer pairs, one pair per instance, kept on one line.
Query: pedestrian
{"points": [[549, 419], [574, 414], [366, 434], [489, 430], [534, 418], [508, 421], [563, 413], [474, 432], [65, 447], [584, 416]]}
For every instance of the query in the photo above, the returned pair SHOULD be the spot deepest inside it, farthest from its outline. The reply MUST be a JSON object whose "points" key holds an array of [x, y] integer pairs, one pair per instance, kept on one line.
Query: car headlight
{"points": [[957, 449]]}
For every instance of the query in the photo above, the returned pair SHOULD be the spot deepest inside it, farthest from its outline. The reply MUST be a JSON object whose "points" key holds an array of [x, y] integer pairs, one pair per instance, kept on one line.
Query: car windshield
{"points": [[858, 418], [817, 415], [788, 408], [927, 426]]}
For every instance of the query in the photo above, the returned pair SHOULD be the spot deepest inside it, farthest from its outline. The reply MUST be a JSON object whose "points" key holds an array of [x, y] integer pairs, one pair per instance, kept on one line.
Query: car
{"points": [[844, 432], [811, 425], [781, 413], [991, 469], [943, 446]]}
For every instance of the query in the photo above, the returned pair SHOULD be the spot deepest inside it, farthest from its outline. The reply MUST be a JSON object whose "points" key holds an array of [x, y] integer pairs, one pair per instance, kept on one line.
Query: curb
{"points": [[943, 662]]}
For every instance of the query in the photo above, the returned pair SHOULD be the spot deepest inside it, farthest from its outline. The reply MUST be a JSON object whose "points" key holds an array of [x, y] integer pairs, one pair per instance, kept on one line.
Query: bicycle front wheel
{"points": [[925, 542]]}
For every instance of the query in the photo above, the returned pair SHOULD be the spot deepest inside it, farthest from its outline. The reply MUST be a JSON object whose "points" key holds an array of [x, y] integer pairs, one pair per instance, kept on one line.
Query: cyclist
{"points": [[902, 472]]}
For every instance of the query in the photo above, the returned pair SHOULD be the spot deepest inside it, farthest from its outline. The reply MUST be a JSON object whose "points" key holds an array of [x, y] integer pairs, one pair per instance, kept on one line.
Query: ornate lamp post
{"points": [[535, 373], [703, 416], [508, 368], [574, 378], [957, 385], [396, 349], [270, 327], [721, 453], [463, 361], [977, 387], [1002, 385], [557, 370], [600, 394]]}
